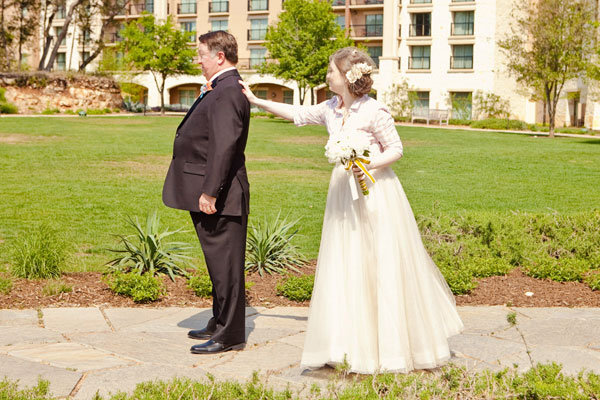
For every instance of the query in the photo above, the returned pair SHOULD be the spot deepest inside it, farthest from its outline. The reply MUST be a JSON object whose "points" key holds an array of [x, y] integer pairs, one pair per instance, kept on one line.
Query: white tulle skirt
{"points": [[379, 300]]}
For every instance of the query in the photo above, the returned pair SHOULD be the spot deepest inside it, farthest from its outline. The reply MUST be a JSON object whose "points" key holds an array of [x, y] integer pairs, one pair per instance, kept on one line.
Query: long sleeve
{"points": [[386, 134], [311, 115]]}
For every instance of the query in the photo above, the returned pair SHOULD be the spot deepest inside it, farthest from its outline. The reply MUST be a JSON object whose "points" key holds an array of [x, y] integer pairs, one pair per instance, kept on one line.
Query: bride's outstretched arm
{"points": [[282, 110]]}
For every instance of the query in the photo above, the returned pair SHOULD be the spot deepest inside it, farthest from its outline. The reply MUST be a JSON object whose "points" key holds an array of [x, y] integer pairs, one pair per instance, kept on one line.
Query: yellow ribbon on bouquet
{"points": [[360, 163]]}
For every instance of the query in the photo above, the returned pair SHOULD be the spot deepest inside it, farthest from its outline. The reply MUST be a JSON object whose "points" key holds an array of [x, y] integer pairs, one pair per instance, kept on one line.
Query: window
{"points": [[187, 7], [258, 5], [84, 55], [258, 29], [463, 23], [341, 20], [61, 61], [149, 6], [58, 31], [288, 96], [375, 53], [420, 1], [462, 57], [189, 28], [187, 96], [420, 57], [257, 57], [219, 25], [86, 35], [420, 100], [420, 24], [374, 25], [218, 6], [462, 104], [60, 12]]}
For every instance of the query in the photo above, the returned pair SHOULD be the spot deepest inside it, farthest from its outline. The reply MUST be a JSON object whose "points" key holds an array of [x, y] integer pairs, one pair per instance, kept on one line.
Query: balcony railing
{"points": [[419, 30], [258, 5], [370, 30], [419, 62], [218, 6], [420, 1], [186, 8], [338, 3], [461, 62], [252, 63], [257, 33], [138, 8], [462, 28], [114, 38]]}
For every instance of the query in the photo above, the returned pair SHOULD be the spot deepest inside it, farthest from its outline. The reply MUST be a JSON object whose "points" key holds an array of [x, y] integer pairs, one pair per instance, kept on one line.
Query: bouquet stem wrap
{"points": [[360, 163]]}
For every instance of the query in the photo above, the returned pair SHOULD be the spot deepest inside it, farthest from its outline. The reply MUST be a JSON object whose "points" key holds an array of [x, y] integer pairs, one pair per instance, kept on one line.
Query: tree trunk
{"points": [[302, 93], [4, 42], [63, 34], [545, 112]]}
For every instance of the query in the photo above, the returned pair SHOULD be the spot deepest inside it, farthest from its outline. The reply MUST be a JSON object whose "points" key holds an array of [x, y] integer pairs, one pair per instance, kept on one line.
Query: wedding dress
{"points": [[379, 301]]}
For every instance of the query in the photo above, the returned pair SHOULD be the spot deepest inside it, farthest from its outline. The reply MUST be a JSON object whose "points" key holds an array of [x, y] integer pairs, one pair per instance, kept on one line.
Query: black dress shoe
{"points": [[212, 347], [202, 334]]}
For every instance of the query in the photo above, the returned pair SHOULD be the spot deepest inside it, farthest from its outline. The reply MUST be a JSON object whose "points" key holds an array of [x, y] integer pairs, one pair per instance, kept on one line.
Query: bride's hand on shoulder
{"points": [[246, 91]]}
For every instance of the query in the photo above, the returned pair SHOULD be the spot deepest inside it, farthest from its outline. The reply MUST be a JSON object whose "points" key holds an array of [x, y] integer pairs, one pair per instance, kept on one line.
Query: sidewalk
{"points": [[82, 350]]}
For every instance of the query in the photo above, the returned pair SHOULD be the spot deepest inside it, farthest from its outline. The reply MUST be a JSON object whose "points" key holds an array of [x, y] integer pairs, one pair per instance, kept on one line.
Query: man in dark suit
{"points": [[207, 177]]}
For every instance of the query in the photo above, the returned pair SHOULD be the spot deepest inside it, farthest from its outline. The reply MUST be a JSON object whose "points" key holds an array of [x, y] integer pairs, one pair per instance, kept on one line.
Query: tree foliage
{"points": [[551, 43], [301, 43], [158, 48]]}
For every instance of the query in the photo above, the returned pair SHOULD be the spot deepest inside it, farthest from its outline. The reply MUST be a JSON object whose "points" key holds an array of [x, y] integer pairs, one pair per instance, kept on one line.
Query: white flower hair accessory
{"points": [[357, 71]]}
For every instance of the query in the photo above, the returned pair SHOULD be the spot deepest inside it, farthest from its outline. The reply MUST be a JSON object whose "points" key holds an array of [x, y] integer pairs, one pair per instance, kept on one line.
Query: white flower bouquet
{"points": [[350, 149]]}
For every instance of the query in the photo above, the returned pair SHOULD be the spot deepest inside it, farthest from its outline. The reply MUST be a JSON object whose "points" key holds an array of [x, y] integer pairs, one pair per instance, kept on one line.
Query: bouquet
{"points": [[349, 150]]}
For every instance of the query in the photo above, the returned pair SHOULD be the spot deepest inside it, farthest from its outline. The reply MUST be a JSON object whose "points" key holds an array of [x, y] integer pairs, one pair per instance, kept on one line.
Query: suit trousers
{"points": [[223, 241]]}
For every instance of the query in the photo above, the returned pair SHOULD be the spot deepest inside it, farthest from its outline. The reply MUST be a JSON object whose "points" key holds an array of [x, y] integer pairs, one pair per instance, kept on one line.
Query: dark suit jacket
{"points": [[208, 154]]}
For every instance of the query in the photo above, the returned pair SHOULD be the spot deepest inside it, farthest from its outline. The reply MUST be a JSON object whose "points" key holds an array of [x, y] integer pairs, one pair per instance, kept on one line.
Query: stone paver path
{"points": [[84, 350]]}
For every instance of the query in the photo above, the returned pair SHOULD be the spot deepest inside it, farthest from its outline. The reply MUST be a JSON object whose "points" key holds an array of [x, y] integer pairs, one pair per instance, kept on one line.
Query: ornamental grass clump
{"points": [[52, 288], [269, 247], [147, 252], [39, 254], [5, 285]]}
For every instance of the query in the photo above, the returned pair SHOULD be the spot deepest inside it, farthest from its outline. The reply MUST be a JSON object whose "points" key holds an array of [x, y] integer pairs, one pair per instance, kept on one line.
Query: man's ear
{"points": [[221, 57]]}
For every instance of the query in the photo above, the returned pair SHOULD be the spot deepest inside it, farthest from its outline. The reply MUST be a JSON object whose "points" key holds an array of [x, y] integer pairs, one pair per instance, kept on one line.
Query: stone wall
{"points": [[34, 92]]}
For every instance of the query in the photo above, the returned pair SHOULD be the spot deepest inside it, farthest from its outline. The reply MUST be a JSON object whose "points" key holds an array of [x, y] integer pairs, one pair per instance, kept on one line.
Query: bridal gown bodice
{"points": [[379, 301]]}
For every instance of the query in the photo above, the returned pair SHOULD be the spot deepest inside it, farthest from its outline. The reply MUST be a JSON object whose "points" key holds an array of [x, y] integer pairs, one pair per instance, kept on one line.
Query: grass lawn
{"points": [[84, 175]]}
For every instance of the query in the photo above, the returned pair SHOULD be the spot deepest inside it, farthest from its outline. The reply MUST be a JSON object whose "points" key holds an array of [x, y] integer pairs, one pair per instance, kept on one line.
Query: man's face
{"points": [[208, 61]]}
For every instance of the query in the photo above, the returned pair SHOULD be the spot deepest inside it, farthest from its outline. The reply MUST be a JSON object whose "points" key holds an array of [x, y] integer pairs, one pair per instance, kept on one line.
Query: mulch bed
{"points": [[89, 290]]}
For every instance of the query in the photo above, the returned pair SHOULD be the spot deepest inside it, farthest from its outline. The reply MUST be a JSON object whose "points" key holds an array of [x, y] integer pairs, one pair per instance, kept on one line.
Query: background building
{"points": [[444, 49]]}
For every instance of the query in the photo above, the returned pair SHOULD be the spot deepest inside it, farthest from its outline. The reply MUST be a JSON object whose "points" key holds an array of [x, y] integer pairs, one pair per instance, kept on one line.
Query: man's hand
{"points": [[207, 204]]}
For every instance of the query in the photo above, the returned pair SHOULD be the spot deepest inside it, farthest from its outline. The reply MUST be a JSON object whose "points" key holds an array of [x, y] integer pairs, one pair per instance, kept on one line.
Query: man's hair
{"points": [[221, 41]]}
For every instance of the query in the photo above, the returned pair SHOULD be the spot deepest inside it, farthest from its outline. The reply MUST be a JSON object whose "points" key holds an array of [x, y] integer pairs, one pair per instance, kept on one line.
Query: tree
{"points": [[301, 43], [551, 43], [26, 20], [158, 48], [6, 34]]}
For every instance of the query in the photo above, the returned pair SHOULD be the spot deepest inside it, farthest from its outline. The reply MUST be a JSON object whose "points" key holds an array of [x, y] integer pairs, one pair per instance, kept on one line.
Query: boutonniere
{"points": [[207, 87]]}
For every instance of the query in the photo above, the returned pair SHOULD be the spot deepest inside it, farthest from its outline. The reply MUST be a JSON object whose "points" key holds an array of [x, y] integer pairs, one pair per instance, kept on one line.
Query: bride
{"points": [[379, 302]]}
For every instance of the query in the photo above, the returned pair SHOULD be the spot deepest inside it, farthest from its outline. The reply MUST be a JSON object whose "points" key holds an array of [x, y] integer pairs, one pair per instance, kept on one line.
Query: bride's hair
{"points": [[344, 59]]}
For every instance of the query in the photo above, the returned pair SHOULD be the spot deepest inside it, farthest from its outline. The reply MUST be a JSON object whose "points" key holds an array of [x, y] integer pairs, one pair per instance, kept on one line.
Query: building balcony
{"points": [[138, 8], [186, 8], [257, 34], [420, 1], [218, 7], [258, 5], [252, 63], [358, 3], [461, 62], [462, 29], [370, 30], [419, 62], [419, 30]]}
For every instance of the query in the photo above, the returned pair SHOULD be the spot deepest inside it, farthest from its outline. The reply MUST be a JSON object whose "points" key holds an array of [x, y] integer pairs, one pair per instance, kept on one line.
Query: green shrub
{"points": [[455, 121], [561, 270], [201, 285], [460, 280], [497, 123], [70, 112], [2, 95], [39, 254], [7, 108], [269, 247], [297, 288], [51, 111], [141, 288], [6, 285], [53, 288], [150, 254], [592, 279], [10, 390], [400, 118], [481, 267]]}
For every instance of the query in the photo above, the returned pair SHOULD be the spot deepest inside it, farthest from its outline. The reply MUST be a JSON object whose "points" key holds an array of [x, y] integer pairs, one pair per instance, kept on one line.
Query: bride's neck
{"points": [[347, 100]]}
